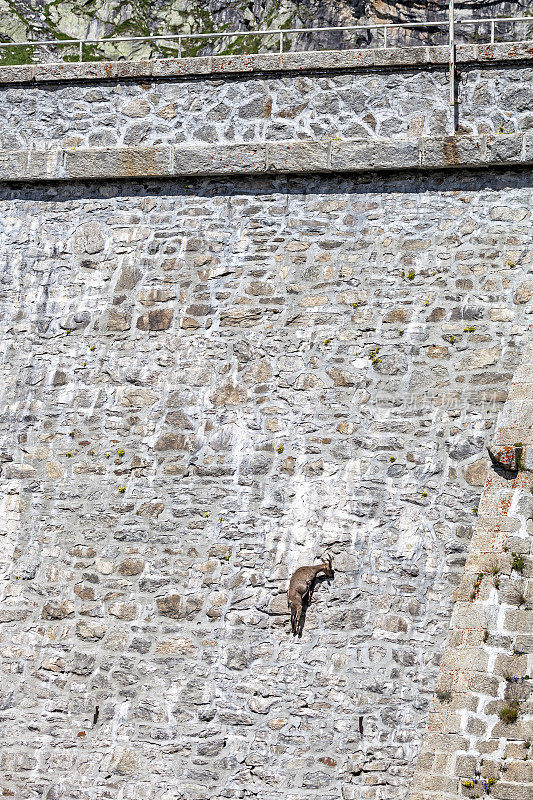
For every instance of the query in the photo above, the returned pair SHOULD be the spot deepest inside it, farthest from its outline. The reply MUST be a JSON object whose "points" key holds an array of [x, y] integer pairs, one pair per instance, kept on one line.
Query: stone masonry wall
{"points": [[205, 384], [364, 104]]}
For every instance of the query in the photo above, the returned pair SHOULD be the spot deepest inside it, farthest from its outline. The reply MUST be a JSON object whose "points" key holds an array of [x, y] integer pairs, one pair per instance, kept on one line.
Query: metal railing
{"points": [[279, 34]]}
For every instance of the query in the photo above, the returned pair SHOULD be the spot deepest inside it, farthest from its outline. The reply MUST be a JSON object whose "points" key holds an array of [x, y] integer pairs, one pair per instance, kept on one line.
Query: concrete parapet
{"points": [[308, 61]]}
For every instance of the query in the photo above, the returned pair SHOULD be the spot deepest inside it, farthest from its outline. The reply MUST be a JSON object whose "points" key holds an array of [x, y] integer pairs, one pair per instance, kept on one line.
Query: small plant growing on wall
{"points": [[476, 587], [495, 572], [518, 594], [509, 712], [444, 695], [518, 563]]}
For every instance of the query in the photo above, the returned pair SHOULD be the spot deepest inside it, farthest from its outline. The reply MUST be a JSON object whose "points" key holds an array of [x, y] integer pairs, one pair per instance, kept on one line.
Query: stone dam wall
{"points": [[255, 310]]}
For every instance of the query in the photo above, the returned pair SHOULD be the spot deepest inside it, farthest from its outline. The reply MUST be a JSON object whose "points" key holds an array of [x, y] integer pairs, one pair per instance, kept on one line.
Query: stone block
{"points": [[267, 62], [464, 658], [231, 159], [527, 152], [511, 791], [22, 74], [505, 456], [90, 70], [519, 772], [465, 53], [159, 319], [229, 64], [452, 151], [127, 162], [504, 148], [169, 606], [174, 67], [21, 165], [12, 164], [468, 616], [475, 473], [402, 56], [446, 743], [511, 665], [483, 683], [426, 781], [504, 51], [527, 453], [358, 155], [18, 471], [329, 59], [123, 69], [438, 55], [465, 766], [296, 156]]}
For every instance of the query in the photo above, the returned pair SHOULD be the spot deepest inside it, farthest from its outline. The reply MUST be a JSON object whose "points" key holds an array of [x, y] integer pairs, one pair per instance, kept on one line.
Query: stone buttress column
{"points": [[478, 739]]}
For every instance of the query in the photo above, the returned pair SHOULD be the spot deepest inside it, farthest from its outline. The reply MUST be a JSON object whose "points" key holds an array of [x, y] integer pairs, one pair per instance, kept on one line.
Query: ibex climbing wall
{"points": [[210, 378]]}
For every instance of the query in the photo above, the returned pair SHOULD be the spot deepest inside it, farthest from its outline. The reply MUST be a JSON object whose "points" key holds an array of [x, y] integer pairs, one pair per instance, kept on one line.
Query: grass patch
{"points": [[509, 712]]}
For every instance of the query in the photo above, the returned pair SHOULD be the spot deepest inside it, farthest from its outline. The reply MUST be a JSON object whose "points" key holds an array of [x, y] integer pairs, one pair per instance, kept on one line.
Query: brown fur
{"points": [[300, 592]]}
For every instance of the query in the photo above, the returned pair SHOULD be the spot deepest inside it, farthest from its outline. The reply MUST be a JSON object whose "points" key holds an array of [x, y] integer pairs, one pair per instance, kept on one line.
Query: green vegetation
{"points": [[444, 695], [518, 563], [509, 712]]}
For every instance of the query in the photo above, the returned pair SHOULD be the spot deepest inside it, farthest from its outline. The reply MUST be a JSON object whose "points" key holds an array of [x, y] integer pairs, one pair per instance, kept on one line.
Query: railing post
{"points": [[81, 51], [179, 47], [281, 41], [384, 36], [452, 53], [492, 32]]}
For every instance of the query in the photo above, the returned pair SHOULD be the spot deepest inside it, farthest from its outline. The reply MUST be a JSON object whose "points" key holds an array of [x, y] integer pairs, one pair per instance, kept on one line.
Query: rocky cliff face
{"points": [[27, 20]]}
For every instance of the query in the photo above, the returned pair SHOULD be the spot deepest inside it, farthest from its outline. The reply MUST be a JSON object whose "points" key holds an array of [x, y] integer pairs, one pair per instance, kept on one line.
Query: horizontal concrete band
{"points": [[356, 155], [392, 57]]}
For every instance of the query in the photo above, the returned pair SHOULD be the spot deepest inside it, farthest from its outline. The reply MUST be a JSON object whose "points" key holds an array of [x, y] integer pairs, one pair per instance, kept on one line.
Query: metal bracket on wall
{"points": [[452, 53]]}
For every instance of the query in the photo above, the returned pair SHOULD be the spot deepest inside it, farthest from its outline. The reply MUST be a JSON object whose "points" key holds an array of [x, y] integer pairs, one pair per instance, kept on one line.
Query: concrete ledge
{"points": [[293, 156], [122, 162], [238, 159], [364, 155], [393, 57]]}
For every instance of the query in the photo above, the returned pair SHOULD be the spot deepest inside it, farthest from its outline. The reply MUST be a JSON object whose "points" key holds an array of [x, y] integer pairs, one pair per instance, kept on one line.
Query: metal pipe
{"points": [[451, 13]]}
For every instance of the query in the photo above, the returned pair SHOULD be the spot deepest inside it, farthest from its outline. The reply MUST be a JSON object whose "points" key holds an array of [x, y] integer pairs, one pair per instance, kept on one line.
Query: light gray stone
{"points": [[227, 159], [298, 156], [362, 155], [119, 162]]}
